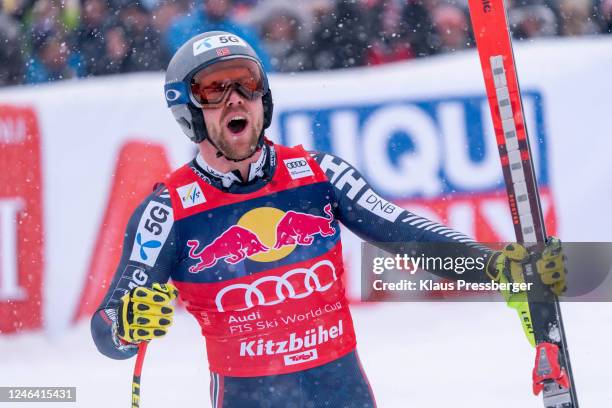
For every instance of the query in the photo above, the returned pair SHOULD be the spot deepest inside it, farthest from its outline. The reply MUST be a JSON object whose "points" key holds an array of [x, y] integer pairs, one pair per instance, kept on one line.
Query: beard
{"points": [[236, 147]]}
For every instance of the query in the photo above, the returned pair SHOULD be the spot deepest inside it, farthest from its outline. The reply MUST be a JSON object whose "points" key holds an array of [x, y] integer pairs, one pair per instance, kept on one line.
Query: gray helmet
{"points": [[199, 52]]}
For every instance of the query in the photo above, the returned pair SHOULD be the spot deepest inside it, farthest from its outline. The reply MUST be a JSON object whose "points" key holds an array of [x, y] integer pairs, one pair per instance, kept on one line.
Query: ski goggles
{"points": [[210, 86]]}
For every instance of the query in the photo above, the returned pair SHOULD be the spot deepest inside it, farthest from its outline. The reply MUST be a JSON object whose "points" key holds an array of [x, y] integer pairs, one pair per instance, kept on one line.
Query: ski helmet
{"points": [[200, 52]]}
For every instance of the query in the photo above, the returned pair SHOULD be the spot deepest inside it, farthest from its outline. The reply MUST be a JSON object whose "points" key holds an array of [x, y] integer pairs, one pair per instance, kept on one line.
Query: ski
{"points": [[552, 374]]}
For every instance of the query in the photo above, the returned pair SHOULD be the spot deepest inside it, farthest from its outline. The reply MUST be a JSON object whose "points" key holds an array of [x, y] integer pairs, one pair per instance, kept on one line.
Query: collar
{"points": [[256, 169]]}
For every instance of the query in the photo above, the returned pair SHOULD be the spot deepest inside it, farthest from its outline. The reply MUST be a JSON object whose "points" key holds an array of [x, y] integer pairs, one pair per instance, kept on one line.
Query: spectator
{"points": [[318, 34], [52, 60], [451, 27], [532, 21], [45, 17], [16, 8], [145, 44], [212, 15], [340, 38], [387, 33], [164, 12], [11, 69], [418, 28], [575, 15], [283, 34], [116, 58], [88, 38], [606, 16]]}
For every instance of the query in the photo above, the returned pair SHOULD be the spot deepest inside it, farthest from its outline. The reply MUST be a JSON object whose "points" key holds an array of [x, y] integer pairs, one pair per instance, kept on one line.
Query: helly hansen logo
{"points": [[298, 168], [340, 178]]}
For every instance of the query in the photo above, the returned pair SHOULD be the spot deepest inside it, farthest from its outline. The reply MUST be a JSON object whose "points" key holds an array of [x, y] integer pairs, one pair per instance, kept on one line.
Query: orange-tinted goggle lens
{"points": [[211, 85]]}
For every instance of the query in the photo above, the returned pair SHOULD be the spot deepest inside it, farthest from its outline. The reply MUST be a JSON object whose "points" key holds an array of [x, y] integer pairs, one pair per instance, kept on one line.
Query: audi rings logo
{"points": [[172, 95], [281, 287], [296, 164]]}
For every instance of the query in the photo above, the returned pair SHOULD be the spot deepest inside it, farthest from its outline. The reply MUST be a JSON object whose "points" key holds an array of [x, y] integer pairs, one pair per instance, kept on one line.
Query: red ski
{"points": [[552, 373]]}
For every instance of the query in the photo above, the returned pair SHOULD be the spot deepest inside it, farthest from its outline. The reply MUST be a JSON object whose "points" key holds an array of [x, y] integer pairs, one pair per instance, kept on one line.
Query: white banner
{"points": [[419, 131]]}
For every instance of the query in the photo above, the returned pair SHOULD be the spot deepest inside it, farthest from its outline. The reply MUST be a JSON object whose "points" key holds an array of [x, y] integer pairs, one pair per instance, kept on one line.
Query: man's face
{"points": [[235, 126]]}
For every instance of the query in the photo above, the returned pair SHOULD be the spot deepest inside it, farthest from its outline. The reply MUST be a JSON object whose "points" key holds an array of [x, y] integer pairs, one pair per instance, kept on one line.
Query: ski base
{"points": [[556, 396]]}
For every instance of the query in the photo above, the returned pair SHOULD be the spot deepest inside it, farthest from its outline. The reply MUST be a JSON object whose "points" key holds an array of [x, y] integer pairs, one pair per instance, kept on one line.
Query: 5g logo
{"points": [[158, 216], [225, 39], [153, 229]]}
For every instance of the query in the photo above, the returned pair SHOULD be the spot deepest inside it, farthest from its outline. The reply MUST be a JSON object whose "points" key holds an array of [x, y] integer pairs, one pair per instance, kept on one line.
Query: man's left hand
{"points": [[508, 266]]}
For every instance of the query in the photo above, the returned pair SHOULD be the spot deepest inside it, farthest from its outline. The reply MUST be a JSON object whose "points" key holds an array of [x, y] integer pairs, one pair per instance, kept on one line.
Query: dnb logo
{"points": [[262, 234], [437, 157]]}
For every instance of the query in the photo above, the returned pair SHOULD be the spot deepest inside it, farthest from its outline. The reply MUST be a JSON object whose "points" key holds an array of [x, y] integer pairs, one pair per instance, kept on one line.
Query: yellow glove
{"points": [[145, 313], [508, 266]]}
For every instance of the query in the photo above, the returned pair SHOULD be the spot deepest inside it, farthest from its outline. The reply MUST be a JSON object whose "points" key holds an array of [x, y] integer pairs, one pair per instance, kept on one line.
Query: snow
{"points": [[415, 355]]}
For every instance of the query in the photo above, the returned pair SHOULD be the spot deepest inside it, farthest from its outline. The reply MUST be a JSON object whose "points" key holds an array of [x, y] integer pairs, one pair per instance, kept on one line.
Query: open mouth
{"points": [[237, 124]]}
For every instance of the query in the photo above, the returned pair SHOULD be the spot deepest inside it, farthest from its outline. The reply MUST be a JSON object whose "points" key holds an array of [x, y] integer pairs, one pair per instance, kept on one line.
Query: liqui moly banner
{"points": [[78, 156]]}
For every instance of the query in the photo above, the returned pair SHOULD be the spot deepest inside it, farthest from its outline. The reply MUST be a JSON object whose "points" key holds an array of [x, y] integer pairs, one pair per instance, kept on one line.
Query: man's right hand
{"points": [[145, 313]]}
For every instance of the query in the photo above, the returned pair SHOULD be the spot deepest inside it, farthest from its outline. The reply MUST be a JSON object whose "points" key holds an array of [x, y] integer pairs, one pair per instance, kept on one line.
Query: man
{"points": [[248, 231]]}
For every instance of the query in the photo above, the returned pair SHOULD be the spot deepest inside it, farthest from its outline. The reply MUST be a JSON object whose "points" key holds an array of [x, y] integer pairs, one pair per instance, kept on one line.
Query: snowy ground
{"points": [[415, 354]]}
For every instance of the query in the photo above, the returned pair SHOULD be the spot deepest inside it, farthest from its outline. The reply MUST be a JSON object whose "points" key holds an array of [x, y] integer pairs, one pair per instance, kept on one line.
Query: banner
{"points": [[418, 131], [21, 220]]}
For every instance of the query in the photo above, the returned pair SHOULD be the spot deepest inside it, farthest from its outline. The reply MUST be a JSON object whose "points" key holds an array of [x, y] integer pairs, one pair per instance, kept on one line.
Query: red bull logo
{"points": [[235, 244], [253, 238], [300, 228]]}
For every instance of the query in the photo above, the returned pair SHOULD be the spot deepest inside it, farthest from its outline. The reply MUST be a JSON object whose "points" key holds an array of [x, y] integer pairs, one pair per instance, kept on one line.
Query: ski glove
{"points": [[145, 313], [508, 266]]}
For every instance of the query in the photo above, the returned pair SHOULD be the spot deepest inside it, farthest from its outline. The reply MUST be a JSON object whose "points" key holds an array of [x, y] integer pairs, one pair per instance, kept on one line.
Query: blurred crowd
{"points": [[46, 40]]}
